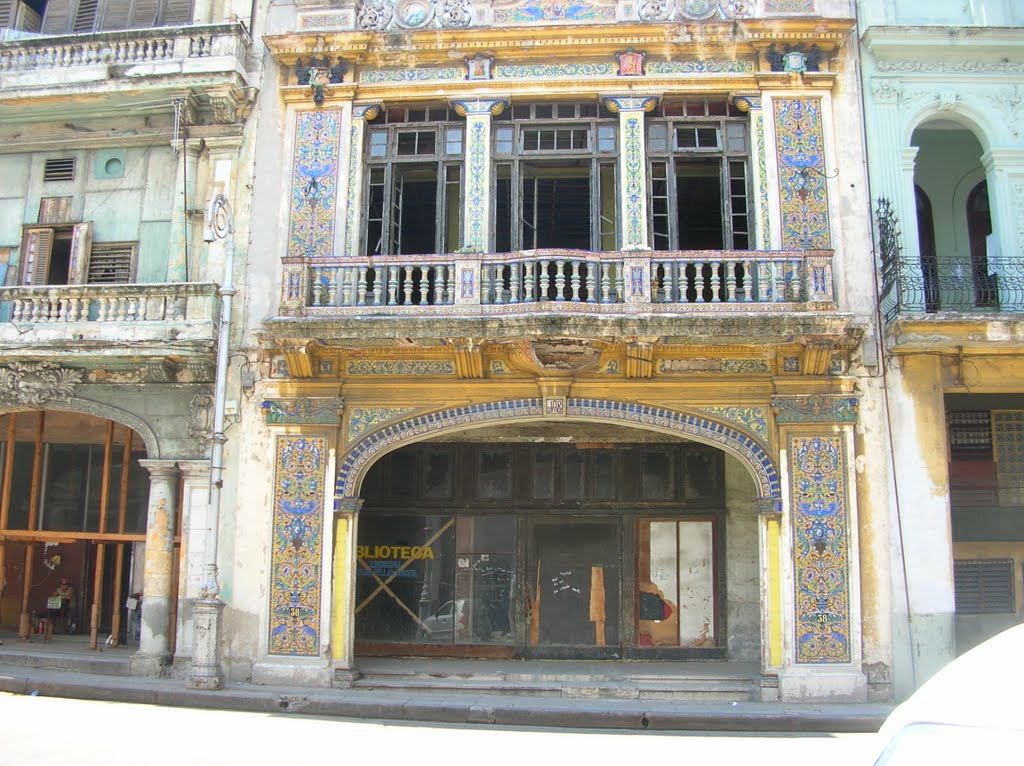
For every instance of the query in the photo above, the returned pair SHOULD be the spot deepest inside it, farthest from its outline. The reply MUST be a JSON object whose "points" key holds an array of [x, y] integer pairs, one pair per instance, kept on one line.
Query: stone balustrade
{"points": [[123, 48], [604, 282], [187, 310]]}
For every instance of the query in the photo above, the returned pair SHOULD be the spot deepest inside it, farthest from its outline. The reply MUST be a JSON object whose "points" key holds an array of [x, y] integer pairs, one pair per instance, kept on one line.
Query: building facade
{"points": [[117, 124], [567, 345], [943, 92]]}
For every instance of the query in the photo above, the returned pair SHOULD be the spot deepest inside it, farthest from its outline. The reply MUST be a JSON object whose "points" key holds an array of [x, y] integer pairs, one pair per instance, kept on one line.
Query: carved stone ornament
{"points": [[698, 10], [455, 13], [33, 384], [655, 10], [374, 15], [379, 15], [201, 416]]}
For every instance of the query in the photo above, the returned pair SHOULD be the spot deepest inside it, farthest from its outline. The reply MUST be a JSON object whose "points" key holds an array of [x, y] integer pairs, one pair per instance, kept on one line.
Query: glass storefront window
{"points": [[676, 583]]}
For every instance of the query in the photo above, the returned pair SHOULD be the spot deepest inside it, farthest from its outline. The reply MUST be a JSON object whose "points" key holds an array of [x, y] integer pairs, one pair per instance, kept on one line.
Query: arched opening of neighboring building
{"points": [[959, 261], [73, 511], [563, 540]]}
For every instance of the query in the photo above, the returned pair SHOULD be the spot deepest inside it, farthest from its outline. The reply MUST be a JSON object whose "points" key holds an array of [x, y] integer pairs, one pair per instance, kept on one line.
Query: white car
{"points": [[969, 712]]}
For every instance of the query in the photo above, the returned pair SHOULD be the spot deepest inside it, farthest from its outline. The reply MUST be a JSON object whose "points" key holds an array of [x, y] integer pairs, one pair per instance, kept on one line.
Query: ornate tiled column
{"points": [[354, 178], [476, 207], [298, 637], [154, 645], [195, 504], [751, 104], [632, 167], [821, 641]]}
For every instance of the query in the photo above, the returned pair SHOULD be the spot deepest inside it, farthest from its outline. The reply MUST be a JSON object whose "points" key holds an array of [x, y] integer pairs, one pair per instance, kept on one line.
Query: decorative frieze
{"points": [[815, 409], [303, 411], [409, 367], [363, 419]]}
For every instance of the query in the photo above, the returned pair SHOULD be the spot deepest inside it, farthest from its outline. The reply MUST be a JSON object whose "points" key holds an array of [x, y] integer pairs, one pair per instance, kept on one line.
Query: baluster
{"points": [[425, 285], [54, 311], [528, 282], [698, 281], [591, 281], [574, 280], [717, 280], [486, 280], [514, 272], [730, 280], [361, 272], [449, 284], [667, 282], [392, 285], [780, 281], [620, 282], [406, 276], [543, 280], [560, 279], [606, 283], [318, 287], [796, 288]]}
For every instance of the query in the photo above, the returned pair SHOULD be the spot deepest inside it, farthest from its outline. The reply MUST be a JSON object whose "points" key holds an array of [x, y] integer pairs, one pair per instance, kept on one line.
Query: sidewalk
{"points": [[459, 708]]}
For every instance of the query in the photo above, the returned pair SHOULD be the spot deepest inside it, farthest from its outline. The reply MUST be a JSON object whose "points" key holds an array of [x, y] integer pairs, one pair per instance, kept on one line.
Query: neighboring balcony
{"points": [[177, 321], [721, 296]]}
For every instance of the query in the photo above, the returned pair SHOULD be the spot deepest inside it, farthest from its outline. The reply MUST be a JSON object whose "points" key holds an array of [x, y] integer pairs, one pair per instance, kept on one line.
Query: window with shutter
{"points": [[983, 586], [175, 13], [111, 263], [57, 17], [85, 16], [144, 14], [115, 14], [7, 14], [36, 248], [55, 209]]}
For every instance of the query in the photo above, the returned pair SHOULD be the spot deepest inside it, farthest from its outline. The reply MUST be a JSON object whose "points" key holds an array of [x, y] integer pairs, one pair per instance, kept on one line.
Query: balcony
{"points": [[724, 296], [177, 320], [209, 60]]}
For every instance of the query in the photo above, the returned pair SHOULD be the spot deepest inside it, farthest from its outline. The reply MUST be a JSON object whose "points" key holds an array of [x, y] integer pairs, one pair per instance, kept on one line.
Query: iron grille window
{"points": [[698, 153], [60, 169], [983, 586]]}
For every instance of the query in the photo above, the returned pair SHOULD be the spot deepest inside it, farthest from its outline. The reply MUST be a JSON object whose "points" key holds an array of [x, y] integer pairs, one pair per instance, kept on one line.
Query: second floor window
{"points": [[414, 182], [698, 158]]}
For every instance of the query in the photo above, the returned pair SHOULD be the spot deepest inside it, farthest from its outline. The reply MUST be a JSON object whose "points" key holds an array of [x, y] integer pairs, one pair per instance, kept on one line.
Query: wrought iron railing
{"points": [[929, 284], [543, 279]]}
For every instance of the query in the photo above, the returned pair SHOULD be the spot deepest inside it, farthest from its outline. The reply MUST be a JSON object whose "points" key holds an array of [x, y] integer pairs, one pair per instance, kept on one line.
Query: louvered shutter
{"points": [[7, 9], [111, 263], [57, 18], [81, 240], [144, 14], [36, 246], [115, 14], [983, 586], [85, 16], [175, 13]]}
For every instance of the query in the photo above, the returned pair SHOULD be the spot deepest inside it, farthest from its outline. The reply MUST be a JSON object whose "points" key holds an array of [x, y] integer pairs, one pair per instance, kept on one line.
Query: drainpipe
{"points": [[206, 671]]}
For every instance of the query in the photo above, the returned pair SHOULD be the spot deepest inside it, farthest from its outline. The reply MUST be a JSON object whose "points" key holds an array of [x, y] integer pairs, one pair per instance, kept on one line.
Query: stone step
{"points": [[77, 662]]}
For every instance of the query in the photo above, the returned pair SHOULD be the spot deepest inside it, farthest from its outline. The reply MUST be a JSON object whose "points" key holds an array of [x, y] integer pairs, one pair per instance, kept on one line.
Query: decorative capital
{"points": [[768, 506], [491, 106], [618, 104], [365, 111], [34, 384], [746, 103], [347, 504]]}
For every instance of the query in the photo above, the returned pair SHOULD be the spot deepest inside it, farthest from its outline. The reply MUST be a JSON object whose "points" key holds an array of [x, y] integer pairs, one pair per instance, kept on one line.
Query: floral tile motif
{"points": [[412, 367], [305, 411], [530, 71], [419, 74], [715, 432], [803, 193], [555, 10], [634, 194], [314, 184], [477, 144], [754, 419], [700, 66], [789, 6], [820, 549], [296, 559], [363, 419], [815, 409]]}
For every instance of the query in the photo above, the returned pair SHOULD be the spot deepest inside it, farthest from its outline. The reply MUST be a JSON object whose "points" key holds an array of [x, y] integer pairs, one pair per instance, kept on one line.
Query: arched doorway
{"points": [[559, 540], [73, 512]]}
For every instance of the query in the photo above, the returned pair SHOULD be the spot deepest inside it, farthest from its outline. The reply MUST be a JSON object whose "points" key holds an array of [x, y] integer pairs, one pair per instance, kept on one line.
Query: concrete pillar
{"points": [[476, 199], [179, 267], [343, 620], [633, 216], [195, 504], [154, 645]]}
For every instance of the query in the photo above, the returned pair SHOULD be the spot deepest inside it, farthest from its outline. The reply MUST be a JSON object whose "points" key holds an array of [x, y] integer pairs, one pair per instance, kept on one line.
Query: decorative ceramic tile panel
{"points": [[634, 195], [700, 66], [1008, 445], [745, 366], [305, 411], [296, 559], [802, 189], [709, 431], [475, 215], [816, 409], [532, 71], [314, 187], [820, 549], [555, 11], [363, 419], [754, 419], [419, 74], [413, 367], [757, 117], [789, 6], [791, 364]]}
